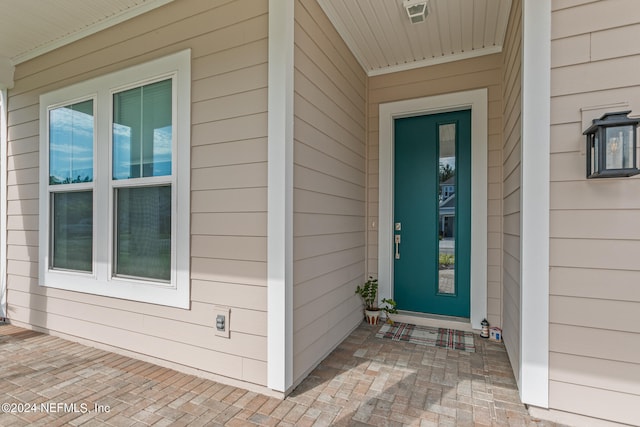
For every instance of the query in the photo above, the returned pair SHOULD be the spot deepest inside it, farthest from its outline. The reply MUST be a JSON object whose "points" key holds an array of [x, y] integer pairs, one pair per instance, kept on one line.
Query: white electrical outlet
{"points": [[221, 316]]}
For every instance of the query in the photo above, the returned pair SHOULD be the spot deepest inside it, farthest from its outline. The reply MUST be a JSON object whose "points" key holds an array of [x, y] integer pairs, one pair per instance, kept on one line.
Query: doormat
{"points": [[424, 335]]}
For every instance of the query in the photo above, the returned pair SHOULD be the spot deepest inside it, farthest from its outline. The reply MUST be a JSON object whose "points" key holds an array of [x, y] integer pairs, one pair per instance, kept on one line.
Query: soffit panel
{"points": [[379, 33], [32, 27]]}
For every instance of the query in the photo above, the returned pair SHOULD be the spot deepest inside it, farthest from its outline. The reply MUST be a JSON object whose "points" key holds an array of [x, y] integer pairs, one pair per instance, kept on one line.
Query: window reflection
{"points": [[142, 131], [447, 208], [71, 132]]}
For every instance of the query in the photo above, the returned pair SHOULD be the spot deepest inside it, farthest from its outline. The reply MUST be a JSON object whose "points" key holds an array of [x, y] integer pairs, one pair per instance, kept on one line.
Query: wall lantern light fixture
{"points": [[612, 148], [417, 10]]}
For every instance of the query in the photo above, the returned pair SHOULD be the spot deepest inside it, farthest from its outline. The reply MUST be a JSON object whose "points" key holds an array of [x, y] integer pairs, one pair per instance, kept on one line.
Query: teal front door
{"points": [[432, 213]]}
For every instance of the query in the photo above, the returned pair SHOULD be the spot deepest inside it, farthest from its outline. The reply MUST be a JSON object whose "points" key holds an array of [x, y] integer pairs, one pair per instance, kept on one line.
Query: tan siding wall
{"points": [[329, 187], [511, 155], [228, 189], [483, 72], [595, 298]]}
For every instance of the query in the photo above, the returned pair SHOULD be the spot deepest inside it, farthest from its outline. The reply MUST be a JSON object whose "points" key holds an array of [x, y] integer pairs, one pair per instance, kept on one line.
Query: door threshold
{"points": [[433, 320]]}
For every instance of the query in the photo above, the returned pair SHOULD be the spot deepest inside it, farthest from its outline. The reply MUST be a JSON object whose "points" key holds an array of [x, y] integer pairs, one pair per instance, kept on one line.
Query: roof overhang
{"points": [[32, 28], [378, 32]]}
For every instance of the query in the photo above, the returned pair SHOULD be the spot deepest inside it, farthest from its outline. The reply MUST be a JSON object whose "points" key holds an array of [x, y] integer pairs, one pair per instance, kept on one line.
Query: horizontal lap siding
{"points": [[329, 188], [482, 72], [511, 157], [228, 189], [595, 298]]}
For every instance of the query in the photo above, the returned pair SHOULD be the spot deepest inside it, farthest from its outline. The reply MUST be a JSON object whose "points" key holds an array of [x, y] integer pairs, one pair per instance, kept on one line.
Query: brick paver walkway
{"points": [[365, 381]]}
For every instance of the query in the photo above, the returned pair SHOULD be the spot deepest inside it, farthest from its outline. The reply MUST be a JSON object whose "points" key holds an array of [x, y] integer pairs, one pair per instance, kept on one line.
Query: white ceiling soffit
{"points": [[379, 33], [29, 28]]}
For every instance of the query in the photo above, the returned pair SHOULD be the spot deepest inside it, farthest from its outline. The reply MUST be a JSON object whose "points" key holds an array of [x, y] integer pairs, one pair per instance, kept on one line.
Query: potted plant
{"points": [[369, 294]]}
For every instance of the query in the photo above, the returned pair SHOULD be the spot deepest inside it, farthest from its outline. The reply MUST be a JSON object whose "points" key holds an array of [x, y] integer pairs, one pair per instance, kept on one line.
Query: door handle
{"points": [[397, 240]]}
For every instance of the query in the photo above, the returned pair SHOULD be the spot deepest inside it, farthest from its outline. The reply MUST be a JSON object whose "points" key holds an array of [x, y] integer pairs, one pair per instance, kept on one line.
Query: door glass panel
{"points": [[447, 208]]}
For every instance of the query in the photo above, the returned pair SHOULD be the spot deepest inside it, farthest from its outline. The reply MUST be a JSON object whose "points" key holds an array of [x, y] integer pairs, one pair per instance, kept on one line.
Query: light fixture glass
{"points": [[417, 10]]}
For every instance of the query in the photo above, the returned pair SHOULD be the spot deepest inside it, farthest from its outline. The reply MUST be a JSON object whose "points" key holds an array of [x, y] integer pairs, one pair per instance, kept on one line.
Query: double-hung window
{"points": [[114, 184]]}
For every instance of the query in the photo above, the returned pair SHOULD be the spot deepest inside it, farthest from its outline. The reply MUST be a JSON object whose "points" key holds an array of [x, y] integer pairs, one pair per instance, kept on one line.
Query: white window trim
{"points": [[100, 282]]}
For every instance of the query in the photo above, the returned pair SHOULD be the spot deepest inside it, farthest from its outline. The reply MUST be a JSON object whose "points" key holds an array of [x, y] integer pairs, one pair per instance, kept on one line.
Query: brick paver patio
{"points": [[365, 381]]}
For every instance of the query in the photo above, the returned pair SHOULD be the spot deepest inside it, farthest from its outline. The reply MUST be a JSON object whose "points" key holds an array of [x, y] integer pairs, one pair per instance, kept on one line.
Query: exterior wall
{"points": [[511, 180], [228, 190], [329, 188], [594, 234], [482, 72]]}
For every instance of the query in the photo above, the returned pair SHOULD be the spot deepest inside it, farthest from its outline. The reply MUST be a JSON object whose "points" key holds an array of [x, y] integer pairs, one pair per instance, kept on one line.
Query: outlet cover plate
{"points": [[226, 312]]}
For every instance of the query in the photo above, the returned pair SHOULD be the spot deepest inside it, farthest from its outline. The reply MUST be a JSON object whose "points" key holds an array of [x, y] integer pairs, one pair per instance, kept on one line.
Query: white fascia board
{"points": [[534, 209], [280, 197]]}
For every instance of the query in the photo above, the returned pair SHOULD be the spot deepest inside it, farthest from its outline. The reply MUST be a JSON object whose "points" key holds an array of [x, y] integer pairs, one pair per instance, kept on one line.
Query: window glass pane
{"points": [[142, 131], [143, 232], [71, 143], [72, 244], [447, 208]]}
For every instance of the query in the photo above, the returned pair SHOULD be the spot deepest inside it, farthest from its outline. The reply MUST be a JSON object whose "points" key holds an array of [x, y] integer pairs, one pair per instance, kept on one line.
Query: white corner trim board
{"points": [[3, 202], [280, 197], [534, 209]]}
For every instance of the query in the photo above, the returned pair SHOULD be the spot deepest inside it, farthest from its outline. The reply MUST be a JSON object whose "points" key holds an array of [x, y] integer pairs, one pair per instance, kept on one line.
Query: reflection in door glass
{"points": [[447, 208]]}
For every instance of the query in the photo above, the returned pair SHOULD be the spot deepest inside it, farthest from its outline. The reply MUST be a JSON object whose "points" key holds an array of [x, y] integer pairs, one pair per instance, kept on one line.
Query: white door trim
{"points": [[476, 100]]}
